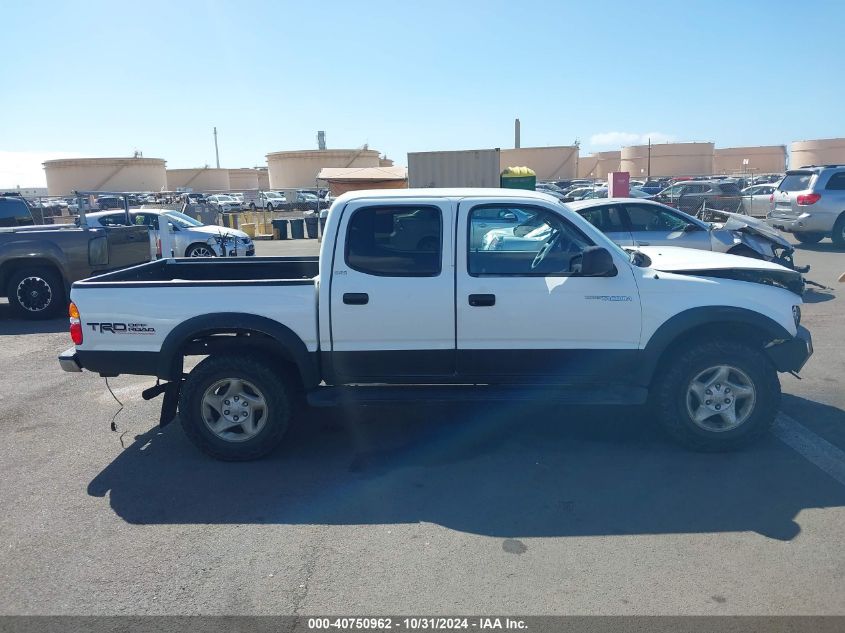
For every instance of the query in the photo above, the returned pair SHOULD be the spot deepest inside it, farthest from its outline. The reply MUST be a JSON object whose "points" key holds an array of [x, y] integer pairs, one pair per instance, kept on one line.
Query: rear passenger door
{"points": [[392, 289], [609, 219]]}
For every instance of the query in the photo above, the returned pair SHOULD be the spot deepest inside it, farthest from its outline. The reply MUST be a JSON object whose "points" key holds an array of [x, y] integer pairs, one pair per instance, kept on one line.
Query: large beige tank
{"points": [[292, 170], [263, 177], [549, 163], [668, 159], [599, 165], [824, 151], [104, 174], [765, 159], [243, 179], [198, 179]]}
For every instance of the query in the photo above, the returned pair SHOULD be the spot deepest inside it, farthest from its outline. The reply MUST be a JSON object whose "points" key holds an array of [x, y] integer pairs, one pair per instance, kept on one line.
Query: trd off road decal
{"points": [[608, 297], [122, 328]]}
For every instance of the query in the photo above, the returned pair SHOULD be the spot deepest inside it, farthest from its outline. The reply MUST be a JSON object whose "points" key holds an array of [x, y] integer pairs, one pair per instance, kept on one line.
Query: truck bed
{"points": [[211, 271]]}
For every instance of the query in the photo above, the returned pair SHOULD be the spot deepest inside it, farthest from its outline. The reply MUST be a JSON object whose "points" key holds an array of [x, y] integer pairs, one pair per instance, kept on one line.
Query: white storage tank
{"points": [[198, 179], [66, 175], [764, 159], [825, 151], [599, 164], [668, 159], [243, 179], [299, 169]]}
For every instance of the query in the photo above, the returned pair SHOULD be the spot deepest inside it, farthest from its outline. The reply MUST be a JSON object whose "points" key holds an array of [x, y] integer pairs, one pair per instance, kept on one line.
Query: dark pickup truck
{"points": [[38, 263]]}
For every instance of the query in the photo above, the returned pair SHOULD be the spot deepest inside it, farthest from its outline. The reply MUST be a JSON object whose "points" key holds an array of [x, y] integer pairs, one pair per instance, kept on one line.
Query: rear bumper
{"points": [[68, 361], [792, 355], [804, 223]]}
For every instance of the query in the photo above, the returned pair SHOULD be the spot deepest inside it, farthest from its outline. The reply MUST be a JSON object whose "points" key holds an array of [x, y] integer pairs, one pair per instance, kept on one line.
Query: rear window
{"points": [[797, 181], [836, 182], [14, 212]]}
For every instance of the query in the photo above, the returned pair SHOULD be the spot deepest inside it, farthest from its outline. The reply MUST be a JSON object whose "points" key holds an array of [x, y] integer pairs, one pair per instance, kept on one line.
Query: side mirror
{"points": [[594, 261], [509, 217], [690, 228]]}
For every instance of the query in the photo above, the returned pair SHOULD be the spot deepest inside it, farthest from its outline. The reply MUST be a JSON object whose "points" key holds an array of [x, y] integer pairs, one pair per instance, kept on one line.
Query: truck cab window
{"points": [[538, 242], [14, 212], [395, 241]]}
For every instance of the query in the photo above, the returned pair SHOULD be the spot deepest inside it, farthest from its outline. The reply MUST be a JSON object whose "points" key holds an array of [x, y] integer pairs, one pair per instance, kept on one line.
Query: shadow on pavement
{"points": [[813, 295], [10, 324], [501, 471], [825, 246]]}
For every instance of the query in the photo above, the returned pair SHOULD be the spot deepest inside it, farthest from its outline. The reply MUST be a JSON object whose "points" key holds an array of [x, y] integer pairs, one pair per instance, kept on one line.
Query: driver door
{"points": [[542, 324]]}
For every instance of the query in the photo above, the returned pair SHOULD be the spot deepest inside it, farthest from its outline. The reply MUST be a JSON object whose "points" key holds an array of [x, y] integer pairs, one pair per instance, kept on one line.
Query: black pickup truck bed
{"points": [[198, 270]]}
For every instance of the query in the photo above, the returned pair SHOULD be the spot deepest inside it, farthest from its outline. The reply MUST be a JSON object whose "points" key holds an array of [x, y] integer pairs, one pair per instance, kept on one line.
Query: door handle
{"points": [[356, 298], [482, 300]]}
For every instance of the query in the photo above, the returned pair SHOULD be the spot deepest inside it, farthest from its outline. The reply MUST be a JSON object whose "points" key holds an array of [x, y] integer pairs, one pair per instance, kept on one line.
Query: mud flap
{"points": [[171, 392], [170, 402]]}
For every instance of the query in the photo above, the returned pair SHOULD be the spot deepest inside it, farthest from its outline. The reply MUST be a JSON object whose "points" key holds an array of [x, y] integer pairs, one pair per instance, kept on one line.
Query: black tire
{"points": [[269, 206], [252, 206], [189, 252], [838, 235], [48, 298], [809, 238], [270, 383], [670, 399]]}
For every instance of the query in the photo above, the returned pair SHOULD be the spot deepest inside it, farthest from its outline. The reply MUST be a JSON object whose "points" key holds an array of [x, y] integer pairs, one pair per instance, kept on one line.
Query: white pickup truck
{"points": [[404, 304]]}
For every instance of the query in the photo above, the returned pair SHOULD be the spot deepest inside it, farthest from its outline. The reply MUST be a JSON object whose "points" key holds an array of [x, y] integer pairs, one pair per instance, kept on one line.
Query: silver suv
{"points": [[810, 204]]}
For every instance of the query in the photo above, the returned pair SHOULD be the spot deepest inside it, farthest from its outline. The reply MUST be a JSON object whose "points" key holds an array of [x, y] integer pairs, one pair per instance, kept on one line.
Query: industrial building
{"points": [[825, 151], [765, 159], [549, 163], [198, 179], [668, 159], [297, 169], [66, 175], [340, 179]]}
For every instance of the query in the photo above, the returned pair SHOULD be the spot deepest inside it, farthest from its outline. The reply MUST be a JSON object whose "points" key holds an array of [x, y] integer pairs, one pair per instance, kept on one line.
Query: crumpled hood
{"points": [[217, 230], [738, 222], [688, 261]]}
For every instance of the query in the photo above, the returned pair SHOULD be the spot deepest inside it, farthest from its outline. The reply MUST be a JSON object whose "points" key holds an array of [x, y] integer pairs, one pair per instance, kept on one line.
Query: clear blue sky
{"points": [[100, 78]]}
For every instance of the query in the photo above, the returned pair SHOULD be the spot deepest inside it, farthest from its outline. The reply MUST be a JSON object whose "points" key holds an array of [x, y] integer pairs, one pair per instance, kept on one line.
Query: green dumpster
{"points": [[518, 178]]}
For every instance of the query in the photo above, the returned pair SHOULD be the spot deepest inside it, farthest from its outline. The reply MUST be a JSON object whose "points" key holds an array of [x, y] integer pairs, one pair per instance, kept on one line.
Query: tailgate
{"points": [[128, 245]]}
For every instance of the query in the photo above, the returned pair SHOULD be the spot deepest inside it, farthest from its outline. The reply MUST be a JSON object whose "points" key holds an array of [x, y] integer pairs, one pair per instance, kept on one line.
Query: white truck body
{"points": [[441, 311]]}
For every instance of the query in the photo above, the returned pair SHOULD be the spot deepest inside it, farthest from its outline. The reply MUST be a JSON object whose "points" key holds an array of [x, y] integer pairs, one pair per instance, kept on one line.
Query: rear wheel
{"points": [[838, 235], [235, 408], [717, 395], [809, 238], [36, 293], [269, 206]]}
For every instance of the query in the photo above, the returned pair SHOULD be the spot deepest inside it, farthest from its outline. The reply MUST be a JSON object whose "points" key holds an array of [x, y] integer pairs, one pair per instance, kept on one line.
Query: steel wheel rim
{"points": [[201, 251], [720, 398], [34, 294], [234, 410]]}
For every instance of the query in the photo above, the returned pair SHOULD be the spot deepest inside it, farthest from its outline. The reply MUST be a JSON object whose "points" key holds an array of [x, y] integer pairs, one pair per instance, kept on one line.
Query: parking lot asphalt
{"points": [[430, 510]]}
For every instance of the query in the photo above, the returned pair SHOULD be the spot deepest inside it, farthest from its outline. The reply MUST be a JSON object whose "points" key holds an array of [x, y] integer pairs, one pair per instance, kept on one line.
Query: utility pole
{"points": [[648, 177], [516, 134], [216, 151]]}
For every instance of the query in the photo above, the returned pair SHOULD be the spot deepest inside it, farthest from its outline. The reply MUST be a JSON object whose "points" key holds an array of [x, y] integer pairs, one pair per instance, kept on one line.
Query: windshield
{"points": [[272, 194], [180, 219]]}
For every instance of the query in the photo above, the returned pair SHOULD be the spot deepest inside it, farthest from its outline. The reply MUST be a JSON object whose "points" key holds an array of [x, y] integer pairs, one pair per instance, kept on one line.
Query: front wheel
{"points": [[235, 408], [199, 250], [269, 206], [717, 395]]}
